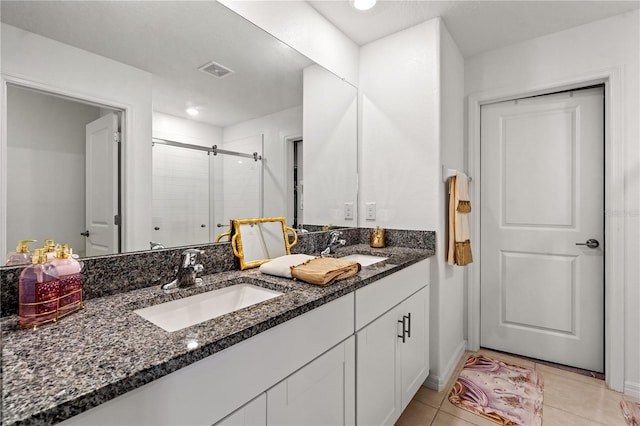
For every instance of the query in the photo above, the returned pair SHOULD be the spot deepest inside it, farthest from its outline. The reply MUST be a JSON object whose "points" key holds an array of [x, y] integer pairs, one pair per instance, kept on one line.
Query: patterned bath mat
{"points": [[503, 393], [631, 412]]}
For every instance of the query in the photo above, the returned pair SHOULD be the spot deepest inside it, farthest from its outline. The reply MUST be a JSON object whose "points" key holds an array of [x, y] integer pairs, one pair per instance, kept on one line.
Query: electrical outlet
{"points": [[371, 211], [348, 210]]}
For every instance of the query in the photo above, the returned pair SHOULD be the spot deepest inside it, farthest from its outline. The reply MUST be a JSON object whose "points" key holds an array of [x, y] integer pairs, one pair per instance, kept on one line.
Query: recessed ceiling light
{"points": [[363, 4], [192, 111]]}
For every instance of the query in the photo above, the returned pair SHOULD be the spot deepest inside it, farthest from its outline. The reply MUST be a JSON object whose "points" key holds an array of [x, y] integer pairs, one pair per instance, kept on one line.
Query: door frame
{"points": [[614, 225], [288, 142], [125, 130]]}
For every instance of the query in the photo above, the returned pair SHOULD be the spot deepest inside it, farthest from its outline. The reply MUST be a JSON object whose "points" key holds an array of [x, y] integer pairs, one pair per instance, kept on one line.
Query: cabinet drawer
{"points": [[382, 295]]}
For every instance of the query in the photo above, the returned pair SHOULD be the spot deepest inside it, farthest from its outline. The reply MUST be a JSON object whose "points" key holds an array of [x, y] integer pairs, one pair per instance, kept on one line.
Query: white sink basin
{"points": [[178, 314], [364, 259]]}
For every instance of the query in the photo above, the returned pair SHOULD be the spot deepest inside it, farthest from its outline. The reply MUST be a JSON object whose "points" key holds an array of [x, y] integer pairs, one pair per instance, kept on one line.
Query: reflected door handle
{"points": [[85, 233], [591, 243]]}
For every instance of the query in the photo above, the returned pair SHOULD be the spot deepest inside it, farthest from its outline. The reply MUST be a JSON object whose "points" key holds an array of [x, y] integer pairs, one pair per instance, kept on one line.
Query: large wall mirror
{"points": [[275, 134]]}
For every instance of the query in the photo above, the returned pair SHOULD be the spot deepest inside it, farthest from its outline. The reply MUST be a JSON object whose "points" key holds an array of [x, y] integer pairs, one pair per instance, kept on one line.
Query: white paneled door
{"points": [[542, 189], [102, 186]]}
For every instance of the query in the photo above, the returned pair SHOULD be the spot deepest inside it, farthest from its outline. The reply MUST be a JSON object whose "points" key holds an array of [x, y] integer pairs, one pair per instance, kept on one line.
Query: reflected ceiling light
{"points": [[192, 111], [363, 4]]}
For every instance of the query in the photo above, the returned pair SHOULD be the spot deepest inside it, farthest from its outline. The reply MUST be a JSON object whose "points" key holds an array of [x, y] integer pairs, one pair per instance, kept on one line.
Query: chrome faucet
{"points": [[186, 271], [334, 240], [155, 246]]}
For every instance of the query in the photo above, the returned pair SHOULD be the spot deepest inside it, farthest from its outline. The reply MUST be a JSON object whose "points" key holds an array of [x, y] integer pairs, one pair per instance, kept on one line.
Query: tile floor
{"points": [[569, 399]]}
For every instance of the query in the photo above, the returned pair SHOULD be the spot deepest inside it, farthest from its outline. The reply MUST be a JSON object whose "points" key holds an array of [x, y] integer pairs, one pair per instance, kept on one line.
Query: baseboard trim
{"points": [[439, 382], [632, 389]]}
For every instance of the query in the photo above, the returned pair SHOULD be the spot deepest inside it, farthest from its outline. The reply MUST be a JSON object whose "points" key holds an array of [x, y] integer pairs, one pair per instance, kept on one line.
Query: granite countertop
{"points": [[106, 350]]}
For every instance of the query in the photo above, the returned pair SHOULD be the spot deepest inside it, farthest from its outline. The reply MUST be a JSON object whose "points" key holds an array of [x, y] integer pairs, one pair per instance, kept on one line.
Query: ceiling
{"points": [[476, 26], [171, 40]]}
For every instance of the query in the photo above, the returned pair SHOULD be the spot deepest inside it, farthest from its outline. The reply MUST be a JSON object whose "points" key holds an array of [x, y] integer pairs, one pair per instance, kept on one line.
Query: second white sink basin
{"points": [[178, 314], [364, 259]]}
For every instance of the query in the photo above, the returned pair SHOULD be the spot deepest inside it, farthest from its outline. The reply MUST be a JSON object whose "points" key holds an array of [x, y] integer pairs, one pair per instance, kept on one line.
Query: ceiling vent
{"points": [[215, 69]]}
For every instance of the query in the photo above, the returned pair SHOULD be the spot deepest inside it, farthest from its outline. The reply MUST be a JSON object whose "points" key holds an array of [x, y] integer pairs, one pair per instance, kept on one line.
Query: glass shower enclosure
{"points": [[197, 190]]}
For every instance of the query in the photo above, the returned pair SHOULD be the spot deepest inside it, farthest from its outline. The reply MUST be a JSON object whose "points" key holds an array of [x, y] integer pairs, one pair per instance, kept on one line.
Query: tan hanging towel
{"points": [[459, 247], [462, 192], [324, 270]]}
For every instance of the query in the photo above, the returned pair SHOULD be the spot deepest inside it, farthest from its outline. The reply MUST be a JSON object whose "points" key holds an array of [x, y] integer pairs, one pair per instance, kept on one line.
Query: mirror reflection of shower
{"points": [[197, 189]]}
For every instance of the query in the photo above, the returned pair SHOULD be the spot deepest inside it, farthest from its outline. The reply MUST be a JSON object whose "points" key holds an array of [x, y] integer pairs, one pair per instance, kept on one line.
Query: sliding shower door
{"points": [[198, 190], [181, 196], [239, 181]]}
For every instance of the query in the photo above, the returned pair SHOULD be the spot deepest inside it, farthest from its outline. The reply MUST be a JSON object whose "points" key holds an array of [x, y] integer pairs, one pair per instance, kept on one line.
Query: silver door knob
{"points": [[591, 243]]}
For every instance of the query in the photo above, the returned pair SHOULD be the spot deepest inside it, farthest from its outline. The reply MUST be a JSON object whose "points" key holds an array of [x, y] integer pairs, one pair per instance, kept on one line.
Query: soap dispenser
{"points": [[38, 292], [376, 238], [22, 255], [49, 249], [69, 273]]}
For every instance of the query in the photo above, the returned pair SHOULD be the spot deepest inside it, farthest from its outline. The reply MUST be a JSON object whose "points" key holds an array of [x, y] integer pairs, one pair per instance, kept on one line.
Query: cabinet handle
{"points": [[402, 321], [408, 317]]}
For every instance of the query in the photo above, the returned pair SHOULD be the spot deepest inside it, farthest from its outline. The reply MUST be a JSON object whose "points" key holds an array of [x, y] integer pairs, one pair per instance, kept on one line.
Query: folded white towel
{"points": [[281, 266]]}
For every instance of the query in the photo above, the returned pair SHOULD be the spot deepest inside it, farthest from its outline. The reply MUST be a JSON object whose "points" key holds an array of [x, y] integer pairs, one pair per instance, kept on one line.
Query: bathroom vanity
{"points": [[288, 360]]}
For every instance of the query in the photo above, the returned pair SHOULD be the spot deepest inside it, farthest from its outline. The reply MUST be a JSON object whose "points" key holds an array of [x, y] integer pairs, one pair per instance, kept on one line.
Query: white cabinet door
{"points": [[320, 393], [253, 413], [378, 399], [414, 351], [391, 368]]}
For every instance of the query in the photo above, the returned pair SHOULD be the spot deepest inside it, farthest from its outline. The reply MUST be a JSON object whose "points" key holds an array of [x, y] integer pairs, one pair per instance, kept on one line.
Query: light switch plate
{"points": [[371, 211], [348, 210]]}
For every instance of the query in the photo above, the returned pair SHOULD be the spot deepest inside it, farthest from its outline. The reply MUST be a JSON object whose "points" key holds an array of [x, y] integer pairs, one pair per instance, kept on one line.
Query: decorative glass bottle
{"points": [[38, 292], [22, 255], [68, 269]]}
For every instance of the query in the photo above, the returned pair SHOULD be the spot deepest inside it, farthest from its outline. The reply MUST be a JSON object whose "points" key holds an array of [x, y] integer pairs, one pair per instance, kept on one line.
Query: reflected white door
{"points": [[102, 186], [542, 168]]}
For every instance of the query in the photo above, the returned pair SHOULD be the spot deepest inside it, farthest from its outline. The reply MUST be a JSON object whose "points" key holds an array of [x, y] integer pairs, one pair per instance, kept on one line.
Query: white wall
{"points": [[449, 294], [330, 153], [571, 55], [178, 129], [43, 63], [276, 129], [411, 121], [46, 151], [399, 128], [297, 24]]}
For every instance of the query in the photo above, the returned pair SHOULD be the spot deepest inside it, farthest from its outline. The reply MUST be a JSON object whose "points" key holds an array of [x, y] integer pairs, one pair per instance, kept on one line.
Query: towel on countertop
{"points": [[325, 270], [281, 266], [459, 252]]}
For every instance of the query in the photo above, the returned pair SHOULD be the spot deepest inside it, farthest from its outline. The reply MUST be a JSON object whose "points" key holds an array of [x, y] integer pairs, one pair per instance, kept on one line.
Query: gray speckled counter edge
{"points": [[106, 350]]}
